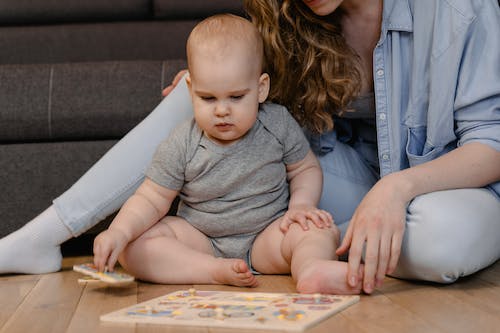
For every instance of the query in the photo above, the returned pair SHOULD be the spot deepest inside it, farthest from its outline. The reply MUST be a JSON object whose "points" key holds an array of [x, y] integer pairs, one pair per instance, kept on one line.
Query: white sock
{"points": [[35, 248]]}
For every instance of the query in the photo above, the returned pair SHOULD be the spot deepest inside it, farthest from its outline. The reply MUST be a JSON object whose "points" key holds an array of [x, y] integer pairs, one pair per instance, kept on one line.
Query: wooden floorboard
{"points": [[440, 308], [49, 306], [55, 303], [95, 302], [13, 291]]}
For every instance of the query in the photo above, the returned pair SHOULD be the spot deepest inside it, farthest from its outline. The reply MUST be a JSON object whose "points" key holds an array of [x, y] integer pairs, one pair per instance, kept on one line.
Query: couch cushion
{"points": [[34, 174], [148, 40], [53, 11], [79, 101], [175, 9]]}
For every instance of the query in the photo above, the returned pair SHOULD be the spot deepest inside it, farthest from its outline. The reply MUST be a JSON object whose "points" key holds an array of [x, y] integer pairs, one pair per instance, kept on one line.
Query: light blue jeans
{"points": [[449, 234]]}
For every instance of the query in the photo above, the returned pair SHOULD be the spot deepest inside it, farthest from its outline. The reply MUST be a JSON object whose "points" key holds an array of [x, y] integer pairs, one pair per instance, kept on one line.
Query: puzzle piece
{"points": [[87, 279], [232, 310], [108, 277]]}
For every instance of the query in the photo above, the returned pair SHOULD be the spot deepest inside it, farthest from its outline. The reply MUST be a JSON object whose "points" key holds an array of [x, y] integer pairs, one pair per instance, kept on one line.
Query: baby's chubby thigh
{"points": [[266, 253], [173, 228]]}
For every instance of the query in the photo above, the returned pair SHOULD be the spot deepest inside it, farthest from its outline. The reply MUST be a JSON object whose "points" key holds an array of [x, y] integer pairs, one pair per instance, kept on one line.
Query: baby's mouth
{"points": [[223, 126]]}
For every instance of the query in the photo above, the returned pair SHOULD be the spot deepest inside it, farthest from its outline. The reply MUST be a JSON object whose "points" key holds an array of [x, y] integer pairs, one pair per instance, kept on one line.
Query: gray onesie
{"points": [[231, 193]]}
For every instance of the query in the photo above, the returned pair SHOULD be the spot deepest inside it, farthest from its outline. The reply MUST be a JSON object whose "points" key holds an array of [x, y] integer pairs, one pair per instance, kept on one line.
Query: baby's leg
{"points": [[174, 252], [308, 255]]}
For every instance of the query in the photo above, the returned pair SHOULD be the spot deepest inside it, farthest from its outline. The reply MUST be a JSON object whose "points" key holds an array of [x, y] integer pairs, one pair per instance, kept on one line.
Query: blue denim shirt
{"points": [[436, 74]]}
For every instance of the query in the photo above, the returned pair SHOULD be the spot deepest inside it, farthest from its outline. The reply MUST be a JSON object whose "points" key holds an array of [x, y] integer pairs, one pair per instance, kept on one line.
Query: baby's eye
{"points": [[237, 97], [208, 98]]}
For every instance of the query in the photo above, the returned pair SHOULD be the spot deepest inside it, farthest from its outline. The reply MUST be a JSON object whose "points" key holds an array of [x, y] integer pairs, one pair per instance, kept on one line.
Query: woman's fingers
{"points": [[346, 242], [354, 261], [383, 259], [371, 261], [174, 83], [397, 240]]}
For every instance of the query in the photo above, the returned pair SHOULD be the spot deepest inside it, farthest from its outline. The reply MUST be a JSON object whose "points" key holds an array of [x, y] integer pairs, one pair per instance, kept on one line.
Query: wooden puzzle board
{"points": [[270, 311]]}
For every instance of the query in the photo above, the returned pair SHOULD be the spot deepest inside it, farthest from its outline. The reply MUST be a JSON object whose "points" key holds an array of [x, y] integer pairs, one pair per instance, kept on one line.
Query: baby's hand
{"points": [[107, 247], [305, 214]]}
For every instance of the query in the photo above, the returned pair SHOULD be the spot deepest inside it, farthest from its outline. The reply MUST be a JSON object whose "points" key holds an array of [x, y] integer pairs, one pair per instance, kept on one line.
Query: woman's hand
{"points": [[107, 247], [378, 222], [305, 214], [174, 83]]}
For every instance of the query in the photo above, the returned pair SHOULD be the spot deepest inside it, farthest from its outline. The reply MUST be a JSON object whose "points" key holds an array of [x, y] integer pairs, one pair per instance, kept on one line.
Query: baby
{"points": [[247, 181]]}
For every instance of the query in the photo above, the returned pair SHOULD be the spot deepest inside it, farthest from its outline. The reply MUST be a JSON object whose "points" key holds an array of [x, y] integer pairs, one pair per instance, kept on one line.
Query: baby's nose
{"points": [[221, 110]]}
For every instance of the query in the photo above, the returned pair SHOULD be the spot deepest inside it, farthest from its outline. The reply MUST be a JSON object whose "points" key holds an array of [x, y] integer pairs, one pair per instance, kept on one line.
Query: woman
{"points": [[401, 100], [435, 127]]}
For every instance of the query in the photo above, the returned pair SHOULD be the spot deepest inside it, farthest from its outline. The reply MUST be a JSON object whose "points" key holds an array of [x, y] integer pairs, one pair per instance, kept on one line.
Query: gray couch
{"points": [[75, 76]]}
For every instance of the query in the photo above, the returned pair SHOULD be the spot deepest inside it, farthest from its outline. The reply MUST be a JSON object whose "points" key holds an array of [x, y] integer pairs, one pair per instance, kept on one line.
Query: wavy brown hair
{"points": [[314, 73]]}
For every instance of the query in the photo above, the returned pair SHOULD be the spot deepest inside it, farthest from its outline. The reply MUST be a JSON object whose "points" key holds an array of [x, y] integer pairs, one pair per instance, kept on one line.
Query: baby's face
{"points": [[226, 91]]}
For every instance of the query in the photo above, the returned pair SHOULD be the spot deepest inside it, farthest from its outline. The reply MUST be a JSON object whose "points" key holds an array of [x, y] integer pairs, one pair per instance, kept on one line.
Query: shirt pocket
{"points": [[418, 149]]}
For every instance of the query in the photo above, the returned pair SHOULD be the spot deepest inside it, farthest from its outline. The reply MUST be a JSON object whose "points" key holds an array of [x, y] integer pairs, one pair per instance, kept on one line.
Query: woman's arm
{"points": [[379, 220], [472, 165]]}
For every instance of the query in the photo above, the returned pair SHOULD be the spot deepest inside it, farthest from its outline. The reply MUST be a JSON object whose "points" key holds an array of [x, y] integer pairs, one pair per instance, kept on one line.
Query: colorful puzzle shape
{"points": [[248, 310], [109, 277]]}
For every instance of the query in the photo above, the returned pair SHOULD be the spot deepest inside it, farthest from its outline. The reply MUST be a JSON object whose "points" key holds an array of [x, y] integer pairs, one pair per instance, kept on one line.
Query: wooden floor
{"points": [[57, 303]]}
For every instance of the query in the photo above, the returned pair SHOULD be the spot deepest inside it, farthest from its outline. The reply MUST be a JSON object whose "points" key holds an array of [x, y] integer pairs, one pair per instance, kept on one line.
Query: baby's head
{"points": [[225, 61], [226, 37]]}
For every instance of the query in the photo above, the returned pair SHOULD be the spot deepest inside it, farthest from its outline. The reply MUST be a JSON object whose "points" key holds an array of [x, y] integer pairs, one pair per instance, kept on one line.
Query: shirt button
{"points": [[380, 72], [385, 157], [382, 116]]}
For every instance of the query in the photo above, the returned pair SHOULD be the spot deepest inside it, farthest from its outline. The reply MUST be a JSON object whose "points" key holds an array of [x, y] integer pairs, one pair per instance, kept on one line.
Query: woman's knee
{"points": [[450, 234]]}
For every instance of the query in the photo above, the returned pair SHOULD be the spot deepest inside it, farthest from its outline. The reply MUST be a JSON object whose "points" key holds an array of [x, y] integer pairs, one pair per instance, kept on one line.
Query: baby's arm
{"points": [[306, 183], [144, 208]]}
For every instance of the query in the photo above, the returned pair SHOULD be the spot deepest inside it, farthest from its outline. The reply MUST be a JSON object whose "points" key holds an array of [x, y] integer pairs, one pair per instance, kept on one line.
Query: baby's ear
{"points": [[264, 86]]}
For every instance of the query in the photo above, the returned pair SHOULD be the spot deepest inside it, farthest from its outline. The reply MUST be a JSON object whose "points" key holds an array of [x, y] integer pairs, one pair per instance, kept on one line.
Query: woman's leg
{"points": [[450, 234], [98, 193], [346, 180]]}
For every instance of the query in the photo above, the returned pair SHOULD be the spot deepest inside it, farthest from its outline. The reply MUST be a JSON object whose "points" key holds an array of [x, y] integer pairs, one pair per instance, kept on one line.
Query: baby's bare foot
{"points": [[326, 277], [233, 272]]}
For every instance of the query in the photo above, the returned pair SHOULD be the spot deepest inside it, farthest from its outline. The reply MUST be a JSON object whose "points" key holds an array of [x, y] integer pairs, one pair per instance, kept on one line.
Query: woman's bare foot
{"points": [[326, 277], [233, 272]]}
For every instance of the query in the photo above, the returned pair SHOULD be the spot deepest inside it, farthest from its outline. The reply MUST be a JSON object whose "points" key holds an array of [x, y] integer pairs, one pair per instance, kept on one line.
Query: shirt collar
{"points": [[396, 16]]}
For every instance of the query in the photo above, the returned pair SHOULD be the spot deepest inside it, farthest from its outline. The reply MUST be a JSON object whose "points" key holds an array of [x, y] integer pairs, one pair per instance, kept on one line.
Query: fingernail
{"points": [[368, 287], [352, 281]]}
